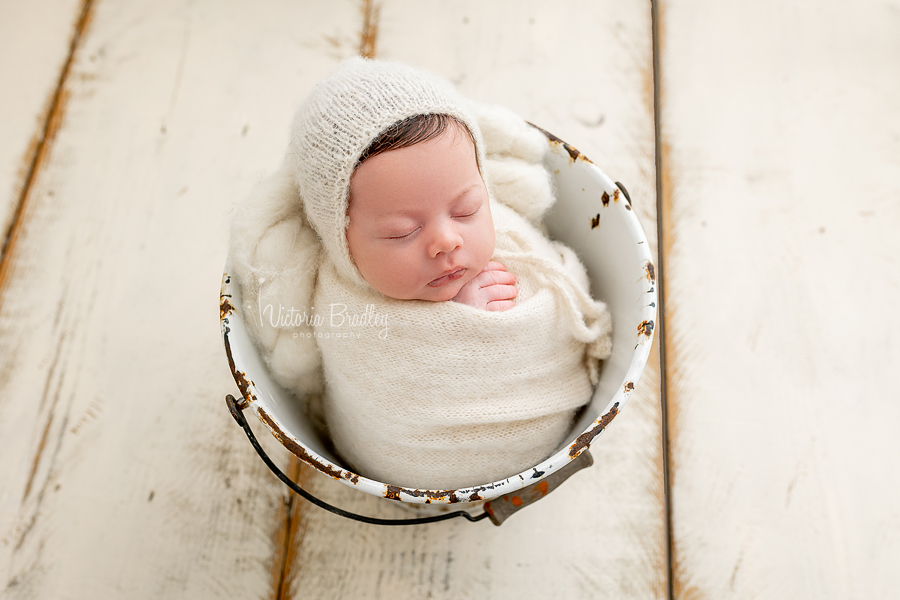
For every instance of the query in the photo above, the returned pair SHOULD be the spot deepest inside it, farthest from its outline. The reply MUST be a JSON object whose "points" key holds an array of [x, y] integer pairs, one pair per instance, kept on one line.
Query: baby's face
{"points": [[420, 222]]}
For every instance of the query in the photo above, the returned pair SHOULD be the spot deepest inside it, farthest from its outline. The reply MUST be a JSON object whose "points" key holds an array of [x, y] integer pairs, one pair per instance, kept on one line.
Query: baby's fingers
{"points": [[489, 278], [495, 293], [494, 266], [498, 305]]}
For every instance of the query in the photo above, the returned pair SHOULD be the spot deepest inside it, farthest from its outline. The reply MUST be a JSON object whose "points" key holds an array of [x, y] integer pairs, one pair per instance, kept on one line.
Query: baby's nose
{"points": [[445, 239]]}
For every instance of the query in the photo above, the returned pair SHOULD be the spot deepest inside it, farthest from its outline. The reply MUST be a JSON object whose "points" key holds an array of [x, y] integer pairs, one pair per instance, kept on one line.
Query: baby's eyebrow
{"points": [[468, 189], [394, 214], [411, 214], [393, 222]]}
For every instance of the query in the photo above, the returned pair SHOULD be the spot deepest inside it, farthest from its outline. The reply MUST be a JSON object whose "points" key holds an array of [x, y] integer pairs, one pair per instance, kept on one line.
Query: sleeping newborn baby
{"points": [[394, 266], [420, 222]]}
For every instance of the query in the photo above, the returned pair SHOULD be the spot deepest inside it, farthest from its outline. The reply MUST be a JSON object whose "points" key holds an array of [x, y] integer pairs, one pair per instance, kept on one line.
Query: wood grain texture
{"points": [[584, 73], [35, 40], [123, 475], [781, 141]]}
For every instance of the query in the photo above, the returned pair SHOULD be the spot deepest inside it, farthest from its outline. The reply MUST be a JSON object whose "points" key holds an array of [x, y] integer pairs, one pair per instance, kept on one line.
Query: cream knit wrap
{"points": [[418, 394]]}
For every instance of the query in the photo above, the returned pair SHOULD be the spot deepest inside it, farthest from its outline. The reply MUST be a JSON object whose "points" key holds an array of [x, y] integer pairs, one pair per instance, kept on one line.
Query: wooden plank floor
{"points": [[129, 479], [781, 181], [123, 476]]}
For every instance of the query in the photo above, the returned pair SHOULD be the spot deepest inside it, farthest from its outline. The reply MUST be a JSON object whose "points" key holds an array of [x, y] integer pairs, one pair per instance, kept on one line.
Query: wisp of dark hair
{"points": [[411, 131]]}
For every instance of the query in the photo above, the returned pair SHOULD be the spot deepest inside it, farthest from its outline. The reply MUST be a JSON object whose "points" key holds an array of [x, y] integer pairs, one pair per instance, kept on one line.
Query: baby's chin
{"points": [[427, 293]]}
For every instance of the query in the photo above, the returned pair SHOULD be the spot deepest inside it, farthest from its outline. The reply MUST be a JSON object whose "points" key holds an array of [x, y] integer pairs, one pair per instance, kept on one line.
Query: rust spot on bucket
{"points": [[605, 199], [645, 328], [225, 307], [595, 221], [628, 387], [543, 487], [240, 378], [615, 195], [573, 152], [392, 492], [244, 384], [584, 440], [516, 501], [300, 452], [650, 271]]}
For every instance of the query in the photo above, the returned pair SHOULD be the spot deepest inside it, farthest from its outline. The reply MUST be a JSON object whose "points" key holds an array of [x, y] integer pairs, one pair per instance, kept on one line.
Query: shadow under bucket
{"points": [[594, 217]]}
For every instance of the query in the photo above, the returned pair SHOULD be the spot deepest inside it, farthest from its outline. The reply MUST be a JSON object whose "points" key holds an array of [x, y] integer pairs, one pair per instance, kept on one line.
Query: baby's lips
{"points": [[448, 277]]}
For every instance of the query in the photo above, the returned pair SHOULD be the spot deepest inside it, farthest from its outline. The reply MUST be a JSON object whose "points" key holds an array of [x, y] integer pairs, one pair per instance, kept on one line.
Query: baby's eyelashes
{"points": [[401, 236], [470, 214]]}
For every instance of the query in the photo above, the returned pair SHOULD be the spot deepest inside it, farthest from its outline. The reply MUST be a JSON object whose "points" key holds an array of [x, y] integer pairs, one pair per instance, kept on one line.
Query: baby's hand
{"points": [[492, 289]]}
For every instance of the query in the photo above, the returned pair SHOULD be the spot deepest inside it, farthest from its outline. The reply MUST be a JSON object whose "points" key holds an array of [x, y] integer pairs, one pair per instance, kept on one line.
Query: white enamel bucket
{"points": [[593, 217]]}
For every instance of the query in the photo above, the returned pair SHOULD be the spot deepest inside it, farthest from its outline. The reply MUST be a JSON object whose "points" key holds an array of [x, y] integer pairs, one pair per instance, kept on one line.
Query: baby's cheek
{"points": [[487, 249], [370, 264]]}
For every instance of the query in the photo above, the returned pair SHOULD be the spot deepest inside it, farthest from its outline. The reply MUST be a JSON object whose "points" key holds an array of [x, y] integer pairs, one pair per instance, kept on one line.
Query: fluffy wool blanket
{"points": [[421, 394]]}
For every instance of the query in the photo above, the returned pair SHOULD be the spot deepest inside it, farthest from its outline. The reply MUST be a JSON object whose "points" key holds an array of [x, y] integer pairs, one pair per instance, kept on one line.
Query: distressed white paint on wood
{"points": [[34, 45], [782, 174], [123, 475], [582, 71]]}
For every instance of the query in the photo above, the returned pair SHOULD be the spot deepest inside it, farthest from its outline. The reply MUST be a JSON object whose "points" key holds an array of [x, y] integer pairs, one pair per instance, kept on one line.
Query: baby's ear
{"points": [[508, 135]]}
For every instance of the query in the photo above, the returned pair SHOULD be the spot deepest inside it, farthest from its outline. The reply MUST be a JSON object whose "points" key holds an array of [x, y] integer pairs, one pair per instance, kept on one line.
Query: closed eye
{"points": [[470, 214], [402, 236]]}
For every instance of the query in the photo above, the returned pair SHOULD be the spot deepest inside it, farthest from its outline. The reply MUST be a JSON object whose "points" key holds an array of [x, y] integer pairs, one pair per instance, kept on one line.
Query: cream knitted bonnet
{"points": [[341, 117]]}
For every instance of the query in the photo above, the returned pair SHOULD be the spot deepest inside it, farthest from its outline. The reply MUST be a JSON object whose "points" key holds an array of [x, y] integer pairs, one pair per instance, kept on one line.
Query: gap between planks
{"points": [[664, 243], [368, 37], [51, 125], [280, 587], [293, 517]]}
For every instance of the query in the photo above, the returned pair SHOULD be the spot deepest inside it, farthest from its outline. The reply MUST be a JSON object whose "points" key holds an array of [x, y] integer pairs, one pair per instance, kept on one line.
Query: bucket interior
{"points": [[593, 217]]}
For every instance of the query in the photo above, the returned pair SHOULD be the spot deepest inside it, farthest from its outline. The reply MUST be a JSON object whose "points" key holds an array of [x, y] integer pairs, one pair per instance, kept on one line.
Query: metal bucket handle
{"points": [[497, 510]]}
